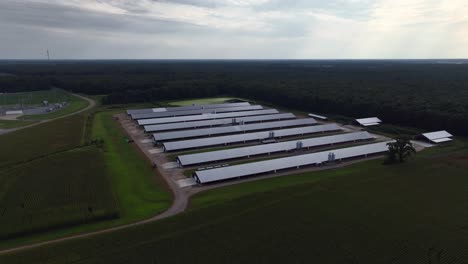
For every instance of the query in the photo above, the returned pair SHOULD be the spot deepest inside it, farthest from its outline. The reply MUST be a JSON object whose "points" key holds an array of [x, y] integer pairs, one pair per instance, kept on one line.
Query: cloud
{"points": [[235, 28]]}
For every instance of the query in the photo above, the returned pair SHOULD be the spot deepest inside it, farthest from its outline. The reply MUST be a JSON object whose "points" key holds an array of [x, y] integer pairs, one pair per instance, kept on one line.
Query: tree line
{"points": [[422, 94]]}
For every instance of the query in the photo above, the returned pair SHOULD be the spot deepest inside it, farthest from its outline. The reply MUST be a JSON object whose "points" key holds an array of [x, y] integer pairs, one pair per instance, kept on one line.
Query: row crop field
{"points": [[59, 190], [415, 212], [44, 139], [54, 190]]}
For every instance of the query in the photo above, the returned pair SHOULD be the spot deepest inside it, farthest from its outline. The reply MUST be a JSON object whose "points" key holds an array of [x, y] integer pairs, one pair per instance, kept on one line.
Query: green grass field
{"points": [[36, 97], [7, 124], [414, 212], [140, 194], [40, 140], [74, 105]]}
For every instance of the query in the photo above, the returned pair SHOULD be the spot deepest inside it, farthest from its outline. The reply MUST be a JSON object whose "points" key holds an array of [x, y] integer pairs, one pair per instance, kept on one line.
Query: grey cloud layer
{"points": [[234, 28]]}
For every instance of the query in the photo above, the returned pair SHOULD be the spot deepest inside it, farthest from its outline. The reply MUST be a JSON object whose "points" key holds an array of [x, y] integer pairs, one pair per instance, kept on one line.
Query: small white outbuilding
{"points": [[370, 121], [438, 136]]}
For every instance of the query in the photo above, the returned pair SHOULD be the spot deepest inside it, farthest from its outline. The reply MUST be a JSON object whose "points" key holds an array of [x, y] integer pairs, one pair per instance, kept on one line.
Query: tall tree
{"points": [[399, 150]]}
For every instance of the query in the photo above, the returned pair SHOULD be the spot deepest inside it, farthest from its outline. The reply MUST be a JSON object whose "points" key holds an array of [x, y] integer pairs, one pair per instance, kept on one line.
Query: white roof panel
{"points": [[273, 165], [441, 140], [318, 116], [437, 135], [195, 112], [369, 120], [246, 137], [177, 119], [371, 124], [217, 122], [236, 153], [231, 129]]}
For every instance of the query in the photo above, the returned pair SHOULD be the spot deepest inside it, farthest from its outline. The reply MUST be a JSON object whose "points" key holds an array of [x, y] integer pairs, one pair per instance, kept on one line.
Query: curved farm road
{"points": [[91, 104]]}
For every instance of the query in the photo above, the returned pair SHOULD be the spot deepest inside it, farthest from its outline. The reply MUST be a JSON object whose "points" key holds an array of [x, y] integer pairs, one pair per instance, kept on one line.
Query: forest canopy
{"points": [[422, 93]]}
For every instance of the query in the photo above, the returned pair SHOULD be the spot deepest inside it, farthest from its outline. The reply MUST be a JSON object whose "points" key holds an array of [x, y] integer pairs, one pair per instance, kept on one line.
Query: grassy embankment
{"points": [[140, 194], [414, 212]]}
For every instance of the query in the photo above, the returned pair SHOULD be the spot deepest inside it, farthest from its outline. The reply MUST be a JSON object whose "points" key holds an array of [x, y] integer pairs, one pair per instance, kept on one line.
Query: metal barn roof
{"points": [[217, 122], [441, 140], [438, 136], [231, 129], [224, 140], [182, 108], [196, 112], [371, 121], [274, 165], [145, 111], [236, 153], [317, 116], [176, 119]]}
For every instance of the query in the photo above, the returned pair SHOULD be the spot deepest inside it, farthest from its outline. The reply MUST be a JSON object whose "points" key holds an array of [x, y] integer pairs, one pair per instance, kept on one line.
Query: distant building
{"points": [[370, 121], [437, 137], [14, 112]]}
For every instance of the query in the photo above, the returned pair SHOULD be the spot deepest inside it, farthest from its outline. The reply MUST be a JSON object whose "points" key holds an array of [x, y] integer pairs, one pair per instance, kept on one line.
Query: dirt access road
{"points": [[91, 104]]}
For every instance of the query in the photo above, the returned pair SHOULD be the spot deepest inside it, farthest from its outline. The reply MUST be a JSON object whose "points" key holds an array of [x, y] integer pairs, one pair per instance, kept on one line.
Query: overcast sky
{"points": [[233, 29]]}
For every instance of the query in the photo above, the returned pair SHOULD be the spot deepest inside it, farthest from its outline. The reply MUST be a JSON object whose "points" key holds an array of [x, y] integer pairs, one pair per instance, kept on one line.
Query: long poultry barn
{"points": [[218, 122], [203, 132], [196, 112], [248, 137], [267, 149], [295, 162], [192, 118], [184, 108]]}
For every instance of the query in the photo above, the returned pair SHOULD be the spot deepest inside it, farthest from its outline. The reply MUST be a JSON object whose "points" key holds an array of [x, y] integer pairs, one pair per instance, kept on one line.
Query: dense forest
{"points": [[426, 94]]}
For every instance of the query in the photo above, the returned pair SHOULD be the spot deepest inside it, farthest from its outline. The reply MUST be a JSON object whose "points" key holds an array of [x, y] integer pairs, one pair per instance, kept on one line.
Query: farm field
{"points": [[44, 139], [414, 212], [55, 191], [127, 178]]}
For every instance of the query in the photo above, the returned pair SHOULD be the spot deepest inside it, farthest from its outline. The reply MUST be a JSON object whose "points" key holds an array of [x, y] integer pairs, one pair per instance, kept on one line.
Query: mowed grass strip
{"points": [[41, 140], [7, 124], [138, 191], [60, 190], [365, 213]]}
